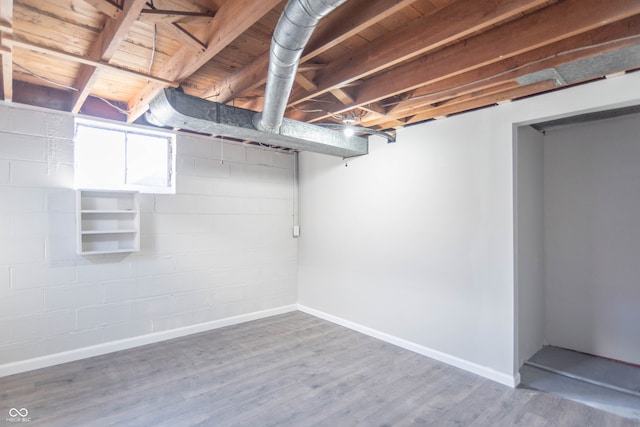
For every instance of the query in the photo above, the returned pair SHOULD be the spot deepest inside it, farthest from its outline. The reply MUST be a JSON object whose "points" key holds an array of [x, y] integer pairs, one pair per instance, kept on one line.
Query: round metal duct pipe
{"points": [[297, 23]]}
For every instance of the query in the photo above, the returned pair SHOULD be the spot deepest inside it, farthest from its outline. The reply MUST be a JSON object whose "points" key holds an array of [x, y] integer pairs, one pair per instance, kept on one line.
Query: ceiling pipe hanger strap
{"points": [[295, 26]]}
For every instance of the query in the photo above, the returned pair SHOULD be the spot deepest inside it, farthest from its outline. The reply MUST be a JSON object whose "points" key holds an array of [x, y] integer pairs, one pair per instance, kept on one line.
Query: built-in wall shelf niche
{"points": [[108, 221]]}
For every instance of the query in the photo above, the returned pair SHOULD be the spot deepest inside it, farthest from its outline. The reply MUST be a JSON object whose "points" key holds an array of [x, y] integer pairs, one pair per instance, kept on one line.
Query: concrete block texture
{"points": [[220, 247]]}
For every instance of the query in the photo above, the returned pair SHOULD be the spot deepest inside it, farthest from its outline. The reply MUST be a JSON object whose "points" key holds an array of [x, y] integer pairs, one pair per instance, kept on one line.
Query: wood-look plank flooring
{"points": [[287, 370]]}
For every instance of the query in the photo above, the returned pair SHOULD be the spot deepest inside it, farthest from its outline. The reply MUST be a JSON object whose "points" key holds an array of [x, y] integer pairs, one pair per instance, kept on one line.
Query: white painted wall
{"points": [[592, 244], [221, 247], [416, 240], [529, 234]]}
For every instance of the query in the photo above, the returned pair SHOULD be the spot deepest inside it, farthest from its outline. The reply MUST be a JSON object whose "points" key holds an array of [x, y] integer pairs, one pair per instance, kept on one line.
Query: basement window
{"points": [[118, 157]]}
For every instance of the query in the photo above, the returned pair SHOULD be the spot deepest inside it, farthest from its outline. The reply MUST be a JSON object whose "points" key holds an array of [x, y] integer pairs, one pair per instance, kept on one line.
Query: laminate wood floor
{"points": [[287, 370]]}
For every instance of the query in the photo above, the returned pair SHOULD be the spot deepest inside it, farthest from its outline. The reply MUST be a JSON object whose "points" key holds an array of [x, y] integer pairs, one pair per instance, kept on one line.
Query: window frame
{"points": [[170, 188]]}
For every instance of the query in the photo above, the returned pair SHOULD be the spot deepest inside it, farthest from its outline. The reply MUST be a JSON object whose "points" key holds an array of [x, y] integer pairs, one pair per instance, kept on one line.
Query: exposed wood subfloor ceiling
{"points": [[383, 63]]}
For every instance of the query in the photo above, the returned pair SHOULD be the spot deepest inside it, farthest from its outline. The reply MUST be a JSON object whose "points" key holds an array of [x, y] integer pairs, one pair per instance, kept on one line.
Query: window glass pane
{"points": [[99, 154], [115, 157], [147, 160]]}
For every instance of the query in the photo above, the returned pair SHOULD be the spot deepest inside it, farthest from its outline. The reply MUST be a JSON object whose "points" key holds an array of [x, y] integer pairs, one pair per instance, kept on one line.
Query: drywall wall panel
{"points": [[416, 240], [529, 236], [221, 247], [592, 243], [413, 239]]}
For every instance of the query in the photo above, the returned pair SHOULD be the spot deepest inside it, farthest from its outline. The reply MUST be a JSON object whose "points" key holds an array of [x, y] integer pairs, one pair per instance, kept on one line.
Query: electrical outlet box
{"points": [[296, 230]]}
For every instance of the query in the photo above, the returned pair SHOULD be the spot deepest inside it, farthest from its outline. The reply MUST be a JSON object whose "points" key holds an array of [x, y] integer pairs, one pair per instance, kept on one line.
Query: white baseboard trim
{"points": [[110, 347], [483, 371]]}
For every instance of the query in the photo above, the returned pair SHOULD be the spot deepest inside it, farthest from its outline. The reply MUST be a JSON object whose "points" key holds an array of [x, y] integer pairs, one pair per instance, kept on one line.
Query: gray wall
{"points": [[529, 220], [592, 243], [416, 240], [221, 247]]}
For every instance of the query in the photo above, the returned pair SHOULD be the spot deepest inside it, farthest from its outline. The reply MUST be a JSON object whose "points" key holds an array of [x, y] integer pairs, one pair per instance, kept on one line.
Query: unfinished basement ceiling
{"points": [[382, 63]]}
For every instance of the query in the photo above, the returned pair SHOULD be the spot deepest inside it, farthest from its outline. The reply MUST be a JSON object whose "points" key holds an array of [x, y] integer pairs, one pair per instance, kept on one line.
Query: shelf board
{"points": [[105, 211], [102, 252], [84, 232]]}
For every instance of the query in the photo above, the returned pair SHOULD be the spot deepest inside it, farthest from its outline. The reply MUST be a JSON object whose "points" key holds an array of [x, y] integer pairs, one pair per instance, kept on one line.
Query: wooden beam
{"points": [[543, 27], [231, 20], [103, 49], [157, 16], [6, 15], [246, 79], [430, 32], [6, 19], [375, 107], [106, 7], [303, 68], [554, 23], [178, 32], [342, 96], [471, 103], [306, 83], [187, 39], [452, 98], [596, 42], [23, 44], [375, 115], [346, 21], [464, 104], [435, 94], [7, 75]]}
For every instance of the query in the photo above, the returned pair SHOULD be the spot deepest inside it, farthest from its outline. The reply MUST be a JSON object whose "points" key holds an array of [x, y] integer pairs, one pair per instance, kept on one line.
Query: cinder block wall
{"points": [[221, 247]]}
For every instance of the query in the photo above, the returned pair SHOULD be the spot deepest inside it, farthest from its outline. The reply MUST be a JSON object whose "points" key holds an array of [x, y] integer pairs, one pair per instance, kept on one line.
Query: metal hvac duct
{"points": [[291, 35], [626, 58], [175, 109]]}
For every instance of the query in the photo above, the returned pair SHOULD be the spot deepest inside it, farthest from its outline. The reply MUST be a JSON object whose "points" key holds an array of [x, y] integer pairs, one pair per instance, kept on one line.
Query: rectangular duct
{"points": [[175, 109], [588, 68]]}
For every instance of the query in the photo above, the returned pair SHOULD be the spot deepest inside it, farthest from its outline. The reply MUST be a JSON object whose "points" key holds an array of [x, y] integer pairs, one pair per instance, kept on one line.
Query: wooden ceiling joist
{"points": [[108, 8], [23, 44], [168, 20], [157, 16], [343, 23], [305, 82], [386, 62], [546, 26], [230, 21], [423, 35], [596, 42], [103, 49], [342, 96], [6, 22], [482, 101], [350, 19], [453, 99], [187, 39], [7, 73]]}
